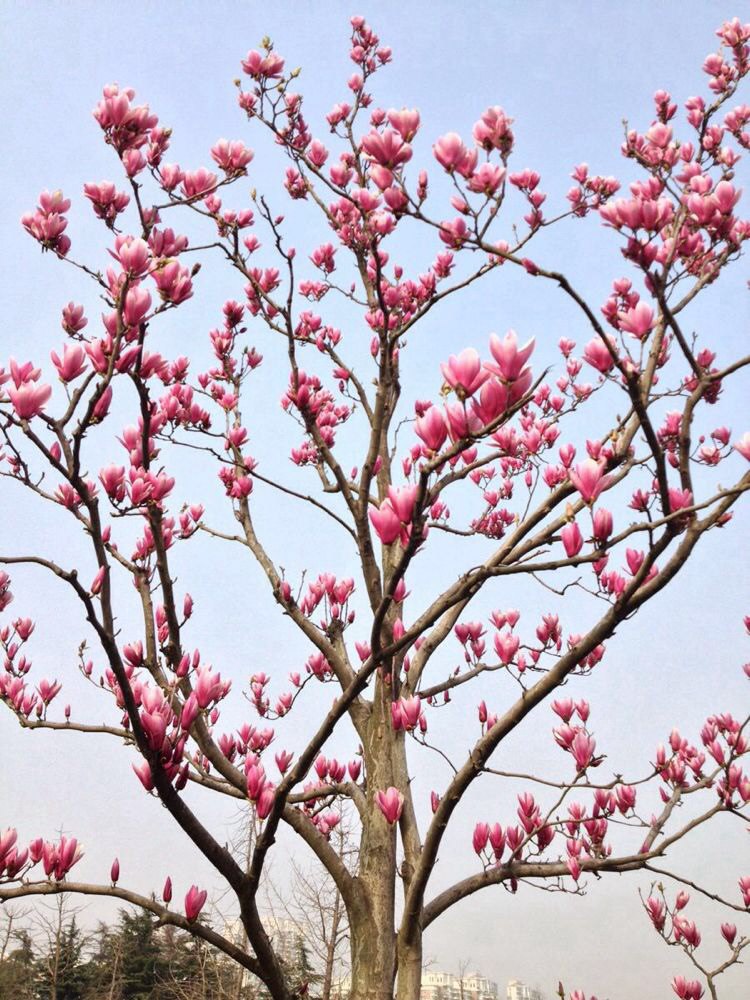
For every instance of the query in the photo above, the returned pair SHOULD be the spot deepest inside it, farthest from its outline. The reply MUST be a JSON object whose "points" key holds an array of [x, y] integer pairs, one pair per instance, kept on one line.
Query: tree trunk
{"points": [[373, 935], [409, 983], [373, 954], [325, 993]]}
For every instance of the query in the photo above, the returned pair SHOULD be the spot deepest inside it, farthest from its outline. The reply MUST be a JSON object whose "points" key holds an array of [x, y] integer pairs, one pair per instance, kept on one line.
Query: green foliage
{"points": [[131, 960], [61, 972], [18, 969]]}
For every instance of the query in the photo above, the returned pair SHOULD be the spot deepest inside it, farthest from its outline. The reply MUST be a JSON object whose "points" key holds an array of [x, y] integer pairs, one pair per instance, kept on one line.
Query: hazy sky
{"points": [[569, 74]]}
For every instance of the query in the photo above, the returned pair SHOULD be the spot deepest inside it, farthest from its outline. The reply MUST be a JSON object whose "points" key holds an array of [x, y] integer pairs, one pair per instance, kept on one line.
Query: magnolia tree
{"points": [[602, 476]]}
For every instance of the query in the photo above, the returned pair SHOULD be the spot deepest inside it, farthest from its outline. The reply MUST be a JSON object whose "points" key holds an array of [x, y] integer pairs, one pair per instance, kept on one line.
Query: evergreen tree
{"points": [[142, 964], [62, 973], [17, 969], [302, 973], [105, 965]]}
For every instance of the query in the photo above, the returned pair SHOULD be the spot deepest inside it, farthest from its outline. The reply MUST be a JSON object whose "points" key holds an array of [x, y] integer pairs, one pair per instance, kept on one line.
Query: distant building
{"points": [[520, 991], [445, 986], [285, 934], [286, 938], [439, 986]]}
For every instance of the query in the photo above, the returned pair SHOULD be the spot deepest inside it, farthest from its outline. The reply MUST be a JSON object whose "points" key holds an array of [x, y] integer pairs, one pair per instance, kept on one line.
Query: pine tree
{"points": [[142, 963], [17, 968], [62, 972]]}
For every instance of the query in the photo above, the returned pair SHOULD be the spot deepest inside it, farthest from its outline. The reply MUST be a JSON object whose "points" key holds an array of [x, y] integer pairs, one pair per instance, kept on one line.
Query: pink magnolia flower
{"points": [[106, 200], [232, 157], [453, 232], [390, 802], [101, 409], [137, 304], [589, 479], [268, 67], [462, 422], [194, 902], [464, 372], [133, 254], [134, 161], [72, 364], [493, 131], [265, 800], [73, 320], [405, 121], [166, 893], [451, 154], [506, 646], [402, 501], [29, 399], [572, 539], [155, 727], [509, 357], [198, 183], [58, 859], [574, 867], [96, 583], [112, 479], [143, 771], [171, 175], [7, 840], [656, 911], [431, 428], [255, 779], [625, 796], [679, 499], [602, 524], [564, 708], [48, 690], [405, 713], [687, 989], [386, 522], [582, 748], [638, 320], [492, 402], [47, 224], [486, 179], [743, 445], [480, 837], [208, 687], [114, 873], [598, 355], [497, 840], [729, 932], [388, 149], [53, 201]]}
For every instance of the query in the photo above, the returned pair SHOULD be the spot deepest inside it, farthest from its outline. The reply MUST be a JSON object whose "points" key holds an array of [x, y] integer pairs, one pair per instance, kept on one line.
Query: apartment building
{"points": [[438, 985], [520, 991]]}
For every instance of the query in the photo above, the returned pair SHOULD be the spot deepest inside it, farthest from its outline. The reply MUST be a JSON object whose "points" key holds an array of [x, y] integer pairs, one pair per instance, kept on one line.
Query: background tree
{"points": [[483, 483], [61, 971], [313, 905], [17, 959]]}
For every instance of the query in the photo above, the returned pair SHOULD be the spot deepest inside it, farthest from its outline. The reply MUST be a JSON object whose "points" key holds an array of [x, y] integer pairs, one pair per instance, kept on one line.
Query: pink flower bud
{"points": [[390, 802], [194, 902], [480, 837], [572, 539]]}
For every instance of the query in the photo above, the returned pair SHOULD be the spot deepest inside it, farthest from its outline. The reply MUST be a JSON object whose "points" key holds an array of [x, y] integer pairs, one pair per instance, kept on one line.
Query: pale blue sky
{"points": [[568, 73]]}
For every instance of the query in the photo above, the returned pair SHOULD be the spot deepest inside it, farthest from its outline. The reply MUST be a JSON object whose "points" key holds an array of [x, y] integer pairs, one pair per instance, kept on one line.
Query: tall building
{"points": [[445, 986], [287, 938], [520, 991]]}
